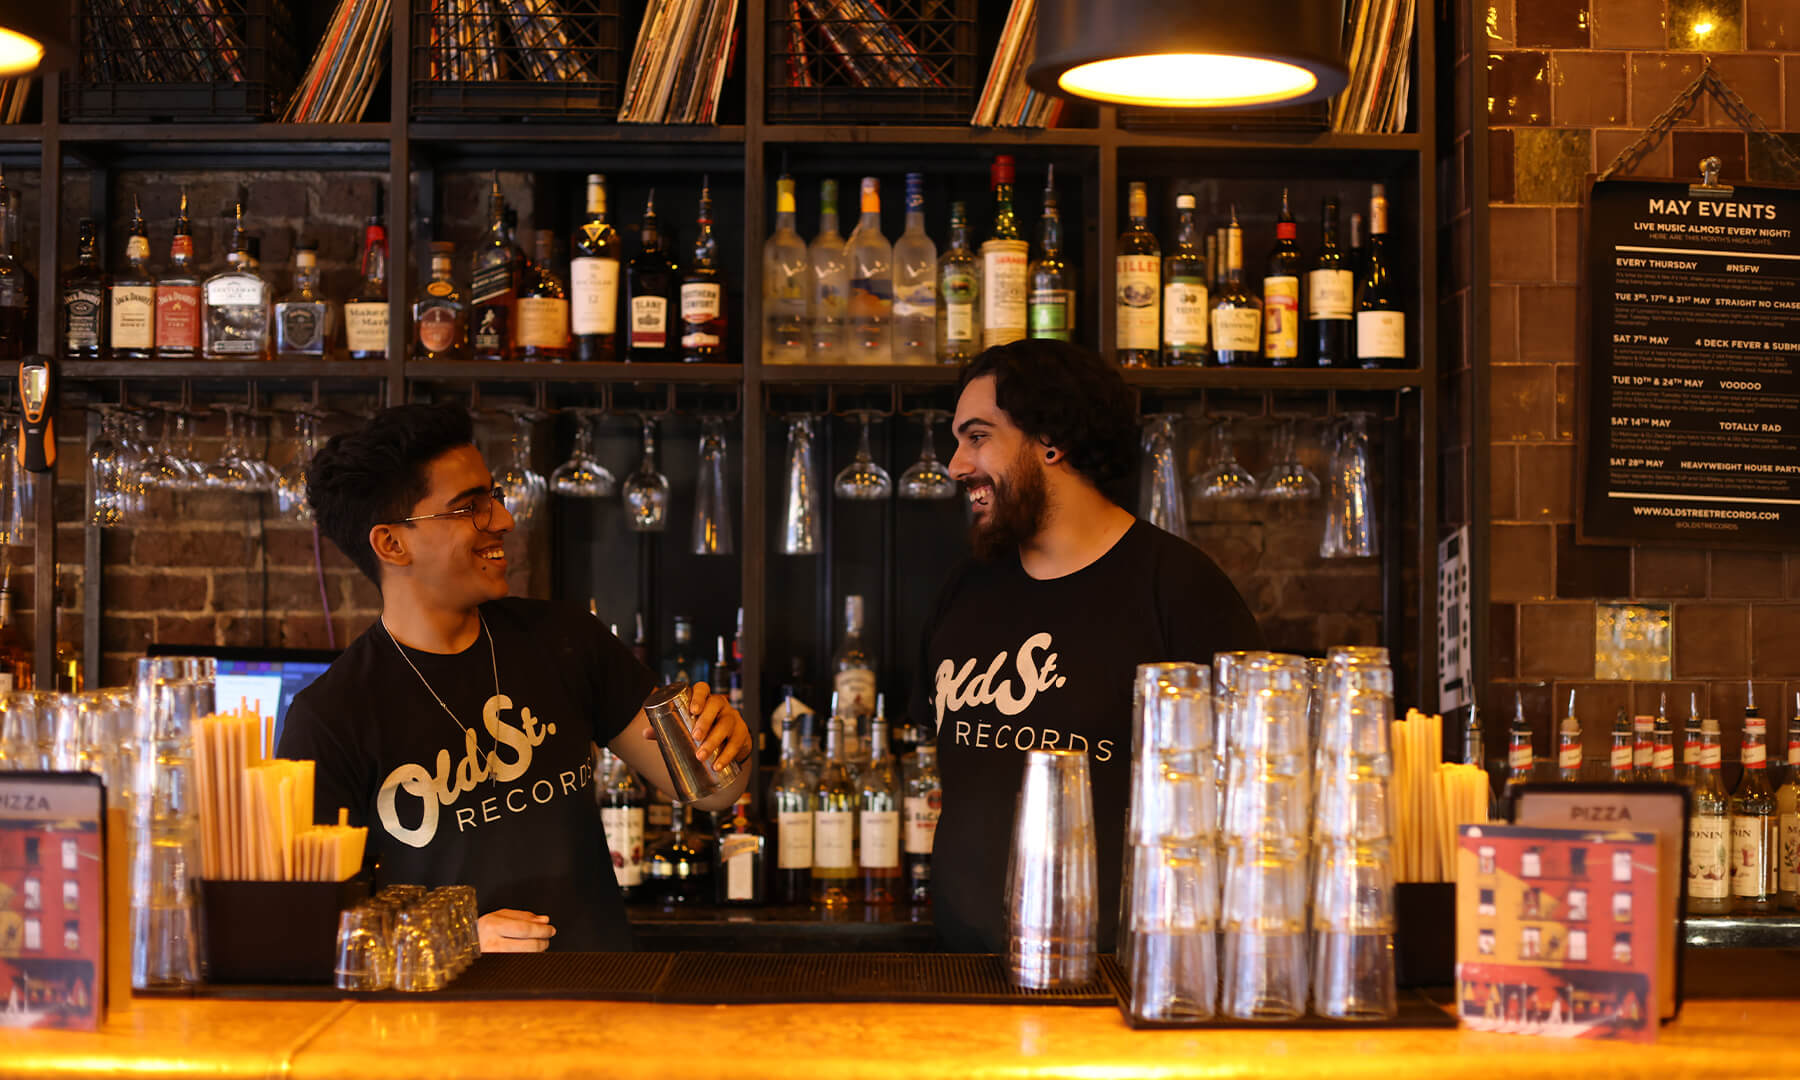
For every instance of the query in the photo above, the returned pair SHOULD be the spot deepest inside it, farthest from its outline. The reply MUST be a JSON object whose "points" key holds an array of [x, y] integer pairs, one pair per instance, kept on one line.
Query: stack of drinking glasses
{"points": [[1052, 897], [171, 694], [407, 938]]}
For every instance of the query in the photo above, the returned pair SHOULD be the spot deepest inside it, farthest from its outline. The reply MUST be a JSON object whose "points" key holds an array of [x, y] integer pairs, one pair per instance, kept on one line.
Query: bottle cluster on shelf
{"points": [[18, 286]]}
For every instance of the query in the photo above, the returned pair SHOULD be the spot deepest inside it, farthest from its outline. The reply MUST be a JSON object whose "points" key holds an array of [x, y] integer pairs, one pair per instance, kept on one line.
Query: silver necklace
{"points": [[434, 694]]}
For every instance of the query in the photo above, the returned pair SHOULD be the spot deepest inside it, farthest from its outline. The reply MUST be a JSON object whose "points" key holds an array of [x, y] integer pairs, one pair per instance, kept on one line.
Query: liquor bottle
{"points": [[1138, 268], [1624, 749], [1380, 313], [1709, 832], [792, 799], [683, 664], [132, 327], [441, 316], [879, 819], [1358, 257], [1662, 750], [959, 294], [178, 296], [493, 286], [924, 798], [727, 675], [1643, 748], [1787, 809], [1330, 296], [681, 864], [1052, 283], [18, 286], [1754, 840], [303, 317], [594, 280], [84, 300], [1520, 761], [1690, 751], [871, 305], [855, 679], [785, 284], [1005, 259], [235, 305], [741, 878], [1568, 746], [623, 801], [543, 306], [15, 652], [828, 301], [703, 293], [651, 292], [915, 283], [1237, 321], [1474, 745], [1281, 293], [366, 311], [836, 803], [1186, 303]]}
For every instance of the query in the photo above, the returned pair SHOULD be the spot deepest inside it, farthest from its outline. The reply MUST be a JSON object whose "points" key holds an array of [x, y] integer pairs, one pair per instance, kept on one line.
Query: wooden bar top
{"points": [[545, 1040]]}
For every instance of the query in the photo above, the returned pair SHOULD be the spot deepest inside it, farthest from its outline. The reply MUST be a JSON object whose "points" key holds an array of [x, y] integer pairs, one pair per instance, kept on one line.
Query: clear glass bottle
{"points": [[178, 296], [543, 305], [1620, 759], [1051, 284], [742, 877], [726, 678], [959, 294], [652, 294], [786, 280], [594, 281], [1643, 749], [132, 324], [1330, 296], [493, 286], [1005, 259], [1709, 832], [1690, 751], [854, 681], [1137, 308], [366, 311], [834, 864], [878, 822], [1568, 746], [1380, 309], [18, 286], [304, 320], [924, 799], [1754, 827], [236, 305], [1787, 809], [792, 799], [84, 299], [703, 293], [1237, 321], [441, 314], [1662, 750], [871, 260], [681, 863], [1521, 762], [624, 799], [1281, 292], [1186, 304], [915, 283], [828, 302]]}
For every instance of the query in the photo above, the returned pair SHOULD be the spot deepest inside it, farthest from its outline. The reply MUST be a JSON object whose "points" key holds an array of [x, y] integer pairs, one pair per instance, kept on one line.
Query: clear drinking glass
{"points": [[1288, 480], [1350, 519], [927, 478], [646, 490], [1353, 932], [290, 482], [15, 486], [364, 959], [1224, 478], [1263, 919], [418, 958], [18, 731], [800, 494], [1051, 894], [165, 840], [582, 476], [712, 498], [862, 478], [1173, 797], [232, 472], [1161, 500], [108, 492], [63, 740], [1173, 963], [525, 488]]}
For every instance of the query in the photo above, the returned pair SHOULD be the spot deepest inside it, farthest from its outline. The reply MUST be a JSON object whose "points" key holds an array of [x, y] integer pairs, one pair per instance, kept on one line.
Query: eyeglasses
{"points": [[479, 512]]}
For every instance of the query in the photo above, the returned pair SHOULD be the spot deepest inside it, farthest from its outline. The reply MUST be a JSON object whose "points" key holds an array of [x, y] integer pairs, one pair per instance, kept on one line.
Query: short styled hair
{"points": [[377, 474], [1071, 397]]}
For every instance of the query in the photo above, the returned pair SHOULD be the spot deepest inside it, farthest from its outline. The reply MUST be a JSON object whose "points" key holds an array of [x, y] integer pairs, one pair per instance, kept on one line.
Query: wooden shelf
{"points": [[1206, 378], [859, 374], [224, 369], [164, 134], [1302, 141], [520, 371], [428, 131], [839, 134]]}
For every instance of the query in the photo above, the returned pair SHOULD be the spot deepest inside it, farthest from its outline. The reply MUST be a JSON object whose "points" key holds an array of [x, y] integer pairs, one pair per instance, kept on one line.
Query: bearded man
{"points": [[1035, 640]]}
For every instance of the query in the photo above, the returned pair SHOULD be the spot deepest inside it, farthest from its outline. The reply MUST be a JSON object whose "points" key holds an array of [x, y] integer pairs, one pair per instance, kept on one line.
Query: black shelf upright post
{"points": [[754, 538], [49, 218]]}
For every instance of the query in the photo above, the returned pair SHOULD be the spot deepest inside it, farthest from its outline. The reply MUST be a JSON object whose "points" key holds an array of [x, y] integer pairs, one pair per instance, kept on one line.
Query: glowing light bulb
{"points": [[18, 53], [1703, 28], [1192, 80]]}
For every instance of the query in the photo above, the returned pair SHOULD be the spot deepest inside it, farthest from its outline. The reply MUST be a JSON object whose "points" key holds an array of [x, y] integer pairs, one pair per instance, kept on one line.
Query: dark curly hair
{"points": [[1071, 397], [377, 473]]}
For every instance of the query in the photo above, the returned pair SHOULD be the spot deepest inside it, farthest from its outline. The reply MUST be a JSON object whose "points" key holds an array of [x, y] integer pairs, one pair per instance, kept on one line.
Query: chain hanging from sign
{"points": [[1709, 82]]}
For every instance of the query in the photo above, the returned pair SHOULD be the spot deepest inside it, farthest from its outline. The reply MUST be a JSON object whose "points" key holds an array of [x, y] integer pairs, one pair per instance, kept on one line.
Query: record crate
{"points": [[201, 60], [871, 61], [515, 59]]}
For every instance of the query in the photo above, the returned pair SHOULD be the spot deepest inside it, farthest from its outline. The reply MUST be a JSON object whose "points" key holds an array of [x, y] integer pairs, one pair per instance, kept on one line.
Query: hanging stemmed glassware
{"points": [[134, 446], [927, 478], [263, 475], [800, 491], [1350, 517], [193, 471], [863, 479], [1288, 480], [232, 471], [165, 469], [646, 491], [290, 483], [525, 489], [15, 485], [108, 490], [1161, 501], [1224, 478], [582, 476], [712, 497]]}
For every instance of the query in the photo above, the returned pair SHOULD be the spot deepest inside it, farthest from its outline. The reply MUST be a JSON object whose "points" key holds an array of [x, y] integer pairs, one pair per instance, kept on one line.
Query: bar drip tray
{"points": [[937, 978]]}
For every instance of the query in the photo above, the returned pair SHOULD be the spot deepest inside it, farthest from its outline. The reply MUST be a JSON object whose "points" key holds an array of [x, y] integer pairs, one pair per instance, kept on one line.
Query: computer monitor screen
{"points": [[262, 680]]}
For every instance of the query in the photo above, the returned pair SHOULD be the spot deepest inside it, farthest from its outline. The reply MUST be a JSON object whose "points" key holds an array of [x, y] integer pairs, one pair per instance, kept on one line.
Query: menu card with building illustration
{"points": [[1558, 932], [52, 901]]}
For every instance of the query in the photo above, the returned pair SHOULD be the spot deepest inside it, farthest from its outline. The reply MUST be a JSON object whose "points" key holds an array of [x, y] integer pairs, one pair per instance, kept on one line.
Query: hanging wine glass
{"points": [[646, 490], [290, 484], [230, 473], [525, 489], [165, 469], [582, 476], [712, 499], [1160, 499], [1288, 480], [107, 488], [800, 499], [1225, 478], [927, 478], [863, 479]]}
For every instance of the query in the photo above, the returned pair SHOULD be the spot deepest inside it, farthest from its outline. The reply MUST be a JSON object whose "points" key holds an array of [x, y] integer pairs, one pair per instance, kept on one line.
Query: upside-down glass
{"points": [[862, 478], [1051, 889], [525, 488], [364, 959], [15, 486], [1173, 958], [582, 476], [1224, 478], [1263, 919], [1350, 518], [419, 961], [108, 486], [232, 472], [19, 732], [1161, 500], [927, 478], [800, 491], [290, 482], [1288, 480], [1145, 686], [165, 833], [646, 491], [712, 497]]}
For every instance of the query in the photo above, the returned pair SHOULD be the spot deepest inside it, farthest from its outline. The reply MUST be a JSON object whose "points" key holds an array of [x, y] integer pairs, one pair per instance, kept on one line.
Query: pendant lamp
{"points": [[34, 34], [1199, 54]]}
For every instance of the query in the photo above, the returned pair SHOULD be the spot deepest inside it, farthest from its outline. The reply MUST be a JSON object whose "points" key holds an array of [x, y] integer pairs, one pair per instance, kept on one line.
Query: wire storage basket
{"points": [[515, 59], [871, 61], [180, 60]]}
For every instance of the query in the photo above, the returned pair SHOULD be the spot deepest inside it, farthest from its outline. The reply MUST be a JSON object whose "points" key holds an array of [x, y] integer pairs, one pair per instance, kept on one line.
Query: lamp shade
{"points": [[34, 34], [1202, 54]]}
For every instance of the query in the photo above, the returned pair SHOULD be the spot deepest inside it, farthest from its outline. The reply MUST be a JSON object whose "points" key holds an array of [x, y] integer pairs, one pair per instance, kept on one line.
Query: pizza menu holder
{"points": [[273, 931]]}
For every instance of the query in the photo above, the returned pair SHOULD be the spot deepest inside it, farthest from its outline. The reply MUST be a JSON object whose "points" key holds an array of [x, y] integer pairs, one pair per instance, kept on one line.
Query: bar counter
{"points": [[626, 1041]]}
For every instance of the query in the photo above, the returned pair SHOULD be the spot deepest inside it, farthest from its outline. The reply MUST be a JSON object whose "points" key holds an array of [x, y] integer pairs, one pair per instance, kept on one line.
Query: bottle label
{"points": [[1690, 753], [492, 284], [959, 324], [624, 827], [1137, 307], [1519, 757], [1237, 329], [1793, 753], [301, 329], [366, 327], [437, 329], [1003, 267], [490, 334], [1708, 858], [1663, 757], [543, 322], [702, 315], [178, 317], [794, 839], [1052, 314], [1187, 308], [880, 839], [1756, 757], [856, 692], [1281, 317], [133, 316], [1568, 756], [921, 823], [1380, 335], [1711, 756], [1640, 753], [235, 291], [82, 306], [1752, 875], [1621, 758], [918, 302], [1329, 294], [594, 288], [834, 839], [738, 853], [1790, 852], [649, 322]]}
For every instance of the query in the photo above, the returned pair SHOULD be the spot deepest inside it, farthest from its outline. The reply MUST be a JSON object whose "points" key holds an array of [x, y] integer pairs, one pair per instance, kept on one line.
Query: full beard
{"points": [[1016, 511]]}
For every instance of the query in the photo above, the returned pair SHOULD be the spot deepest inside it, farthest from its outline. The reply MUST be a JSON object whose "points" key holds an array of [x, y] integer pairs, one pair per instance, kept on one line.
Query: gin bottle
{"points": [[235, 303]]}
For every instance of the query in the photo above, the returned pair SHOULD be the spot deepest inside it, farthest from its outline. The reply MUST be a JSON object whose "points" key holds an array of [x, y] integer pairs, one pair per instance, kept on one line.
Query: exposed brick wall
{"points": [[1571, 82]]}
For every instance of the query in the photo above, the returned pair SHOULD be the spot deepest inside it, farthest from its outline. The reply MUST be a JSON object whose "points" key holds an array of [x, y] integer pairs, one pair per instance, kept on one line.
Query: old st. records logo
{"points": [[1010, 692]]}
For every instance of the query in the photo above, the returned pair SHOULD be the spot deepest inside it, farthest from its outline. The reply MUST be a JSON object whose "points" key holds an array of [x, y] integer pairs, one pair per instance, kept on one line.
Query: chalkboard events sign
{"points": [[1691, 386]]}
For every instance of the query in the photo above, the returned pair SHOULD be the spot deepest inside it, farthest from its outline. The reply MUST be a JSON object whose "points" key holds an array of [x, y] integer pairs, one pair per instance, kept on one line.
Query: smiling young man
{"points": [[1035, 641], [460, 727]]}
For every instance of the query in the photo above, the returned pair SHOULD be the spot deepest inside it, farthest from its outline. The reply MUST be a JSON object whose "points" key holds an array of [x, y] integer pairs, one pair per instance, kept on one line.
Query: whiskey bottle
{"points": [[18, 286], [871, 260], [1052, 284], [1330, 296], [681, 863], [178, 296], [650, 283], [1753, 824], [837, 801], [594, 281], [622, 802], [440, 316], [493, 287], [1186, 305], [1237, 322], [1281, 293], [924, 797], [1568, 746], [703, 293], [304, 320], [854, 682], [741, 877], [543, 306], [236, 304], [1709, 832], [878, 821], [366, 312], [1005, 259], [792, 799], [132, 326], [1137, 309], [915, 283], [828, 304], [84, 300], [959, 294], [1380, 314], [786, 281]]}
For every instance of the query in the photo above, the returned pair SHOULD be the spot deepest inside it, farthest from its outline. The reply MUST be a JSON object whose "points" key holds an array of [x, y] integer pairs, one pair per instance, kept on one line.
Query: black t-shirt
{"points": [[517, 819], [1017, 664]]}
